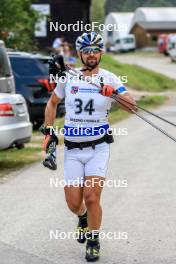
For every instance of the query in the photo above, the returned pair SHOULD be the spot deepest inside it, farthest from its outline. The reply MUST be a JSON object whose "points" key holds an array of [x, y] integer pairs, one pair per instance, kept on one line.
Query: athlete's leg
{"points": [[93, 186], [92, 192], [97, 165], [73, 177], [74, 199]]}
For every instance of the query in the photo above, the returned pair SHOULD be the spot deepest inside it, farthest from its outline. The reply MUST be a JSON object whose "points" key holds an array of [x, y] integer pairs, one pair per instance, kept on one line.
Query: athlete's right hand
{"points": [[47, 141], [50, 143], [57, 66]]}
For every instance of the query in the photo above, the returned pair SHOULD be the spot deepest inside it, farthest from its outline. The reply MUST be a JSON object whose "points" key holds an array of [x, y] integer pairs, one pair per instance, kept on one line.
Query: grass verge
{"points": [[13, 159], [143, 53], [139, 78]]}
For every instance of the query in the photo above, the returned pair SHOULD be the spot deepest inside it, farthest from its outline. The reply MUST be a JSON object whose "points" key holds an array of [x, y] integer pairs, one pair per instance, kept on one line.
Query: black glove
{"points": [[57, 66], [49, 131], [50, 143]]}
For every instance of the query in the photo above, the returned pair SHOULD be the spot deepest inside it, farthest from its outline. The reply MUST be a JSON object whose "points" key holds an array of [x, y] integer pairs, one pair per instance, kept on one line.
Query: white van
{"points": [[172, 47], [126, 43]]}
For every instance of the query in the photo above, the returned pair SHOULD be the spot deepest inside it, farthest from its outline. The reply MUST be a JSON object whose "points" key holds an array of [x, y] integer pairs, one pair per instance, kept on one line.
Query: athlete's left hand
{"points": [[107, 90]]}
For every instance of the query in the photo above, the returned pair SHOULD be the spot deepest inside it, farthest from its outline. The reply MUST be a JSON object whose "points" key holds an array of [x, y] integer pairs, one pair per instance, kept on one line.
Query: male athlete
{"points": [[86, 153]]}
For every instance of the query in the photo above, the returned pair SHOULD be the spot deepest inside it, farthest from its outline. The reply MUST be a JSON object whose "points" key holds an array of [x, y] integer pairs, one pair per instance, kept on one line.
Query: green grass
{"points": [[152, 101], [143, 53], [138, 78], [14, 159]]}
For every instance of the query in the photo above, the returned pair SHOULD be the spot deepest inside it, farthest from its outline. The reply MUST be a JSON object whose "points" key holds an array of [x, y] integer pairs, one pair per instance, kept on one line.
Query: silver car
{"points": [[15, 127]]}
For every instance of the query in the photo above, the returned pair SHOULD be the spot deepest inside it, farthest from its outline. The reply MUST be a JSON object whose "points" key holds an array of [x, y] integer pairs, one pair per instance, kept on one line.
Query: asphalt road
{"points": [[157, 62], [143, 161]]}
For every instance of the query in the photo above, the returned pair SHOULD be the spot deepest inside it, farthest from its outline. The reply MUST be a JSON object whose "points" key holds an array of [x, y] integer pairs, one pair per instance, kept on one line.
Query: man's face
{"points": [[90, 59]]}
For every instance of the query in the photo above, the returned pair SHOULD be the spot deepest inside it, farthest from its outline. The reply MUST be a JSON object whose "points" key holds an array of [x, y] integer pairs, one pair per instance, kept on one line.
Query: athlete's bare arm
{"points": [[50, 111], [131, 105]]}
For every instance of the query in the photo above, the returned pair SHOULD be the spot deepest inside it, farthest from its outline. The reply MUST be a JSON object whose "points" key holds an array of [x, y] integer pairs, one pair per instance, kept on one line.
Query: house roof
{"points": [[119, 18], [154, 14], [168, 25]]}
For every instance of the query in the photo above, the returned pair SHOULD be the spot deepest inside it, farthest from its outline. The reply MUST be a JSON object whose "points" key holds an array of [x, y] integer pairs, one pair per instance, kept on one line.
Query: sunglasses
{"points": [[89, 50]]}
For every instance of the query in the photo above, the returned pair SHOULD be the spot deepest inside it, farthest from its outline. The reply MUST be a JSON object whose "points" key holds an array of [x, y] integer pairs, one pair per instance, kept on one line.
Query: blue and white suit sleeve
{"points": [[119, 87]]}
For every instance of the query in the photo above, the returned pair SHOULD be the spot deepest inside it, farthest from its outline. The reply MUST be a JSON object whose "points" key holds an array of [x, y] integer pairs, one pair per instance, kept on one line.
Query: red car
{"points": [[163, 43]]}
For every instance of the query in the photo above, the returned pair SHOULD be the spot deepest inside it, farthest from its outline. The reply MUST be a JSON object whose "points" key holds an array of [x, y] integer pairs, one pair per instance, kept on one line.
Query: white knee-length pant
{"points": [[86, 162]]}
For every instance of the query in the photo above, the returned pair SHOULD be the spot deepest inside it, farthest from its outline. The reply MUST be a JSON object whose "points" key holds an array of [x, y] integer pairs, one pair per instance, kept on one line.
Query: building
{"points": [[58, 13], [149, 23], [121, 22]]}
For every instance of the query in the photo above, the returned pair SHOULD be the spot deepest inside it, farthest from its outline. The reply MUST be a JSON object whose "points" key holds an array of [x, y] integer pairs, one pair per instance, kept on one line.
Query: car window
{"points": [[5, 70], [171, 45], [45, 64], [128, 40], [29, 66]]}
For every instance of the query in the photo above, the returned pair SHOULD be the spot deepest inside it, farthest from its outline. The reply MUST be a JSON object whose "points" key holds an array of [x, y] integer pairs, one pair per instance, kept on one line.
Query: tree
{"points": [[130, 5], [113, 6], [97, 11], [17, 23]]}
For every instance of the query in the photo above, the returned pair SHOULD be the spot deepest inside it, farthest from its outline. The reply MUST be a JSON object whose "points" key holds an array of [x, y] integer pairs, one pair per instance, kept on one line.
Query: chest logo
{"points": [[74, 89]]}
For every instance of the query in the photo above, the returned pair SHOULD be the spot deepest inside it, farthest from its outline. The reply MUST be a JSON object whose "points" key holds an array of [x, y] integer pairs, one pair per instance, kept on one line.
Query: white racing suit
{"points": [[86, 120]]}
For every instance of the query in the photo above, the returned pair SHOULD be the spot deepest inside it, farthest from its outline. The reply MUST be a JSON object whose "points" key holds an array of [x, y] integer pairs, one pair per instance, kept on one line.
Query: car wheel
{"points": [[19, 145]]}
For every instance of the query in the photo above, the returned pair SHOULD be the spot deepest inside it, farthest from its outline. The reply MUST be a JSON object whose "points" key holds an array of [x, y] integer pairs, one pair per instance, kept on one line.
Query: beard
{"points": [[91, 62]]}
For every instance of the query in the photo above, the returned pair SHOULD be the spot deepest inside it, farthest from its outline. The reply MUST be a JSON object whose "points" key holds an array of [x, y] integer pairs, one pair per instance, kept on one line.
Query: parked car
{"points": [[15, 127], [163, 43], [32, 81], [166, 45], [126, 43], [7, 83]]}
